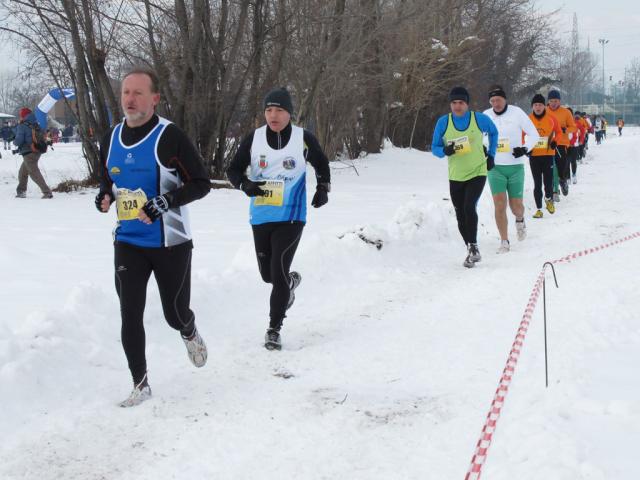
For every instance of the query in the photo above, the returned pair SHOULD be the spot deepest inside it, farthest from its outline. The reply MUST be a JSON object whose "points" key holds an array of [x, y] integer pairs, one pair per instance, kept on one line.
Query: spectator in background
{"points": [[7, 135], [67, 133], [29, 168]]}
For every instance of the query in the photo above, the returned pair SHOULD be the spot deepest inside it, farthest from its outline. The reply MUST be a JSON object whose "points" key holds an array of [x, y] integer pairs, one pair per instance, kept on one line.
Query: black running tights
{"points": [[573, 159], [276, 244], [542, 173], [562, 161], [171, 267], [465, 196]]}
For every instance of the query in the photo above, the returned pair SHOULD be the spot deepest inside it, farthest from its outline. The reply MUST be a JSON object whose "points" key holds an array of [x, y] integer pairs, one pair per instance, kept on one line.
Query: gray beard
{"points": [[134, 117]]}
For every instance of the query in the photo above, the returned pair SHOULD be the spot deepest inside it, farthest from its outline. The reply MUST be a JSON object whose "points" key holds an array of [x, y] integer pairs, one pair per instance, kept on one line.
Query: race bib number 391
{"points": [[462, 145], [274, 194], [129, 203]]}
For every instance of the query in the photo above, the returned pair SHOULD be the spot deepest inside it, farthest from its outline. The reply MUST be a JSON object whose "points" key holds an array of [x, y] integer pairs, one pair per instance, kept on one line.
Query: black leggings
{"points": [[542, 172], [276, 244], [562, 161], [465, 196], [172, 269], [573, 159]]}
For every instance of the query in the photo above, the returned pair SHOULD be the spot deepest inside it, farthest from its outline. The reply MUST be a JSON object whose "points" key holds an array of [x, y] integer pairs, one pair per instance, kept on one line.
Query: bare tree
{"points": [[359, 70]]}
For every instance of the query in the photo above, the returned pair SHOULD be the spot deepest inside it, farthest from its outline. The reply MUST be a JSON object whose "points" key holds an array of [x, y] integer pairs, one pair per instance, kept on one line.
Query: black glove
{"points": [[252, 189], [519, 151], [449, 149], [553, 144], [490, 162], [99, 197], [155, 207], [320, 197], [564, 129]]}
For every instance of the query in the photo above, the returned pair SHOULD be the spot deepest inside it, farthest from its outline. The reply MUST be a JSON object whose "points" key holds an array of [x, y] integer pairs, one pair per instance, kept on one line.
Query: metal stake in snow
{"points": [[480, 455], [544, 304]]}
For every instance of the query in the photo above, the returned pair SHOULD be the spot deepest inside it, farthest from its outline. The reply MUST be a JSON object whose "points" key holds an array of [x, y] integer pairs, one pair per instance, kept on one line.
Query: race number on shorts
{"points": [[274, 194], [129, 203]]}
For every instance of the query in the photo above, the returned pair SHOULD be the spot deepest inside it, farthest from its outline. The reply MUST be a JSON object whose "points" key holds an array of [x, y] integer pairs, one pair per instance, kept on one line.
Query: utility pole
{"points": [[575, 80], [603, 42], [624, 95], [614, 87]]}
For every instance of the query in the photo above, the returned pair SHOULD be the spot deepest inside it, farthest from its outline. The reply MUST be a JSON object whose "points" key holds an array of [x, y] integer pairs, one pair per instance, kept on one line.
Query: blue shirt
{"points": [[485, 124], [23, 136]]}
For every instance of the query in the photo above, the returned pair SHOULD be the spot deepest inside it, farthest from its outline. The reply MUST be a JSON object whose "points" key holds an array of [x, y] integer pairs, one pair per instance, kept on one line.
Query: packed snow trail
{"points": [[389, 358]]}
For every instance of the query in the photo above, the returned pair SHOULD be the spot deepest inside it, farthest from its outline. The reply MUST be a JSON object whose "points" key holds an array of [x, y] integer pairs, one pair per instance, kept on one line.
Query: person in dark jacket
{"points": [[29, 168], [7, 135]]}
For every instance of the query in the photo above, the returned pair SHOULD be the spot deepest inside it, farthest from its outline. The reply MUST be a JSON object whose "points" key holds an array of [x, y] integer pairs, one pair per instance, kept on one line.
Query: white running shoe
{"points": [[504, 246], [294, 280], [474, 253], [521, 228], [272, 340], [139, 394], [574, 179], [196, 349]]}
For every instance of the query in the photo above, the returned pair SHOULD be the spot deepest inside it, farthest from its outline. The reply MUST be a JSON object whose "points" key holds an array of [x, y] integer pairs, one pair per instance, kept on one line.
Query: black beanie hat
{"points": [[280, 98], [497, 91], [459, 93], [538, 98]]}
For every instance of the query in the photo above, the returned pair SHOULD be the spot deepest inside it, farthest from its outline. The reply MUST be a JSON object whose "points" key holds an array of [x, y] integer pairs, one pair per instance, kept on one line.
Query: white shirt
{"points": [[511, 123]]}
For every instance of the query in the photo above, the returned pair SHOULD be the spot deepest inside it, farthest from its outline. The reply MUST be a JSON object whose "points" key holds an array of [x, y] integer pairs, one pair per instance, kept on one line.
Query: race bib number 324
{"points": [[129, 203], [274, 194]]}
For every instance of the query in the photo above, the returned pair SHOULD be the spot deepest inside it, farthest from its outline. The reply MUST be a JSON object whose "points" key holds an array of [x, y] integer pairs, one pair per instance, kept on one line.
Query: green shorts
{"points": [[507, 178]]}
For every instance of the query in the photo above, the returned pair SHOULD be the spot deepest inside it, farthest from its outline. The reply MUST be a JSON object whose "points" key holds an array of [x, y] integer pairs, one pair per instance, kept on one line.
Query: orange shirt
{"points": [[565, 120], [549, 129], [578, 137], [585, 125]]}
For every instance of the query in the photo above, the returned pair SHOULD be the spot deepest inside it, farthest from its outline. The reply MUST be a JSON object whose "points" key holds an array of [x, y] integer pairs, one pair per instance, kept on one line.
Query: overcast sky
{"points": [[615, 20]]}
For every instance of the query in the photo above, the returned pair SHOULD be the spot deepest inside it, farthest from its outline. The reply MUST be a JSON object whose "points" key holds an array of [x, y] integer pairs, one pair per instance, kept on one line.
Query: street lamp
{"points": [[603, 42]]}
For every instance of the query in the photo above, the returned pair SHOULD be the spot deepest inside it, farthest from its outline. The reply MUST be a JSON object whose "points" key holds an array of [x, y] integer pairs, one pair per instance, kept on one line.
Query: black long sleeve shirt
{"points": [[175, 150], [278, 140]]}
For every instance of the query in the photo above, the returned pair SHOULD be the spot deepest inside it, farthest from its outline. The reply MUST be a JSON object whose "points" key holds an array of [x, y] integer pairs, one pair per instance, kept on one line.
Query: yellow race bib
{"points": [[504, 145], [129, 203], [462, 145], [543, 142], [274, 196]]}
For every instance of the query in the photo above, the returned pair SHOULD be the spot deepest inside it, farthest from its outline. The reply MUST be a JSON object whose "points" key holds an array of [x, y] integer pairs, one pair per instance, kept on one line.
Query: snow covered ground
{"points": [[391, 357]]}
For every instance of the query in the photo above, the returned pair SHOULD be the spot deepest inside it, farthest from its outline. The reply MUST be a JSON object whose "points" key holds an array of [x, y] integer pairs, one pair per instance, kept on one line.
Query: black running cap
{"points": [[538, 98], [459, 93], [280, 98], [497, 91]]}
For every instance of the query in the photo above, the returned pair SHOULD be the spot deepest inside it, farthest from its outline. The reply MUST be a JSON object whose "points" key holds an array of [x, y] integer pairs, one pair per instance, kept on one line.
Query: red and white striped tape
{"points": [[480, 455]]}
